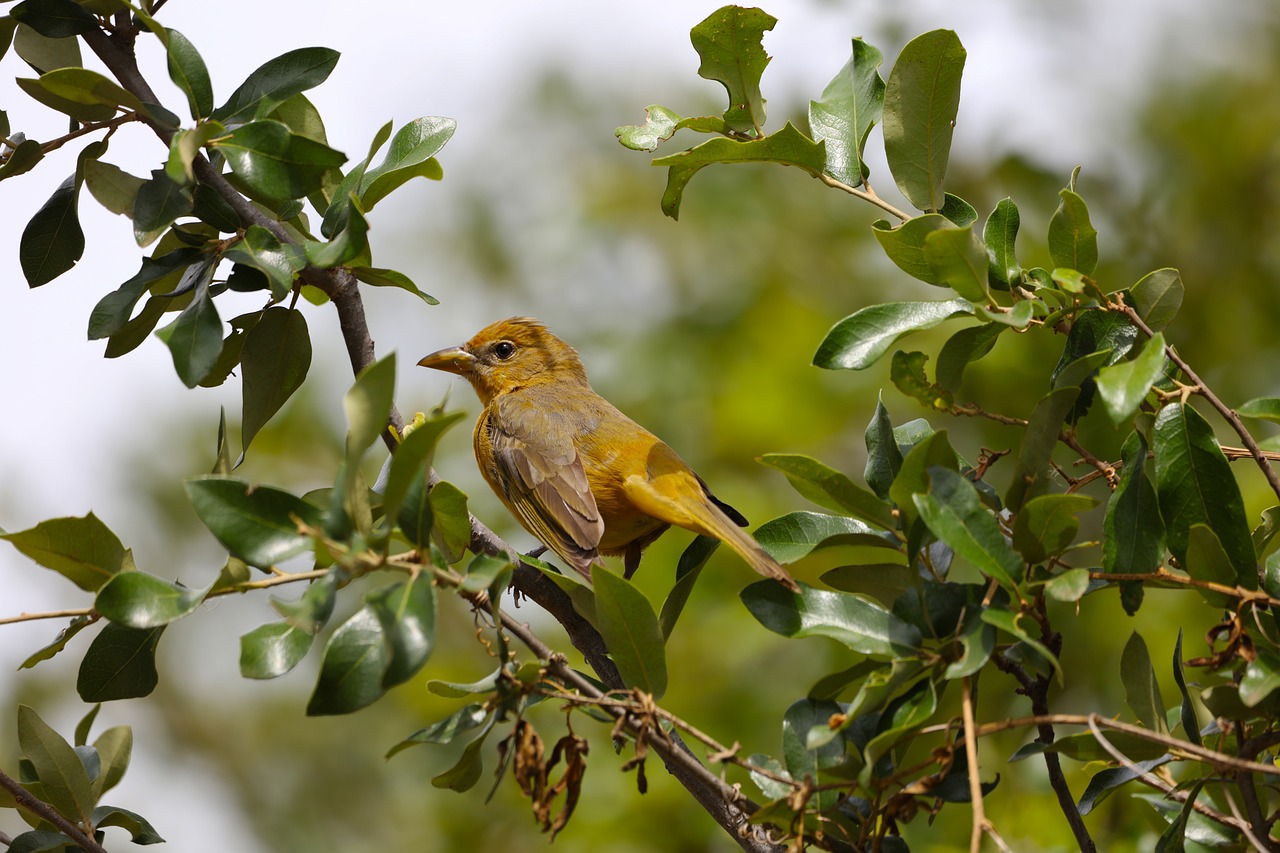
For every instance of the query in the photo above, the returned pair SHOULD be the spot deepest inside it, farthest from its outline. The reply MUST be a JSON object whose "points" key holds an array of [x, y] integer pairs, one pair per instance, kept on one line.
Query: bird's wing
{"points": [[545, 483]]}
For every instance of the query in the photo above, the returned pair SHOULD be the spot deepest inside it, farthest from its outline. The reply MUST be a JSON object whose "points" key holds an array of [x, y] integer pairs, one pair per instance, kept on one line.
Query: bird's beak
{"points": [[451, 360]]}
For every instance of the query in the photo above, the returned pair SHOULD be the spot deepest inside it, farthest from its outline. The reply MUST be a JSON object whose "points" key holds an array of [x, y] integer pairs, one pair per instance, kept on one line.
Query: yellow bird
{"points": [[575, 472]]}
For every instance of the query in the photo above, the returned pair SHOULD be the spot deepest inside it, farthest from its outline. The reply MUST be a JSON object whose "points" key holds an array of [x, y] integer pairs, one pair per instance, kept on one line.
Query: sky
{"points": [[1050, 79]]}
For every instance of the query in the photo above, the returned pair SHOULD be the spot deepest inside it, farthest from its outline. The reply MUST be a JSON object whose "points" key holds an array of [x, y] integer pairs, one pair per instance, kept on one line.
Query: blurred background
{"points": [[703, 330]]}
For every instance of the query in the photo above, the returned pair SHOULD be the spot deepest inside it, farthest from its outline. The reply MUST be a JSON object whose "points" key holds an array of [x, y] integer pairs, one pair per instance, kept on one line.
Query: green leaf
{"points": [[1142, 693], [1073, 241], [1157, 297], [407, 612], [140, 600], [913, 478], [367, 403], [114, 748], [411, 155], [862, 625], [188, 71], [457, 690], [978, 641], [64, 782], [1263, 408], [921, 99], [263, 251], [905, 244], [1195, 486], [312, 610], [463, 775], [860, 339], [59, 642], [1010, 623], [884, 459], [795, 535], [83, 550], [906, 371], [276, 81], [43, 53], [959, 260], [276, 164], [830, 488], [1207, 561], [851, 105], [1124, 385], [1173, 839], [22, 159], [659, 126], [1190, 726], [112, 187], [413, 457], [1000, 234], [813, 762], [355, 659], [909, 711], [156, 205], [631, 632], [120, 664], [392, 278], [273, 649], [885, 582], [954, 513], [83, 94], [258, 524], [184, 147], [963, 348], [53, 241], [136, 825], [112, 312], [275, 360], [1261, 678], [195, 338], [1083, 746], [40, 841], [787, 147], [54, 19], [687, 571], [349, 244], [729, 44], [1047, 525], [1031, 472], [80, 108], [447, 730]]}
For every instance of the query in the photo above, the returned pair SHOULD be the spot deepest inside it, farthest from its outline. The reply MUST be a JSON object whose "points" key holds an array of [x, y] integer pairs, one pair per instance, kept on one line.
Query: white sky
{"points": [[68, 411]]}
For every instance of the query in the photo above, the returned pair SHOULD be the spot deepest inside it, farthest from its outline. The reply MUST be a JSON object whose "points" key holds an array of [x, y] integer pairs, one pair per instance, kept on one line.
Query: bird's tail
{"points": [[749, 549]]}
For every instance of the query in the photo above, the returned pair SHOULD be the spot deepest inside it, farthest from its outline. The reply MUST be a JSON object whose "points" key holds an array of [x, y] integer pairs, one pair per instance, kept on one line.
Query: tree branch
{"points": [[40, 808]]}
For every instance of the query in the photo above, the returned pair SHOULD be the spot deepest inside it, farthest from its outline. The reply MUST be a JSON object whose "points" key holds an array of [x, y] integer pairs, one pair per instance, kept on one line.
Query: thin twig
{"points": [[971, 754], [39, 807], [55, 144], [1162, 575], [867, 195]]}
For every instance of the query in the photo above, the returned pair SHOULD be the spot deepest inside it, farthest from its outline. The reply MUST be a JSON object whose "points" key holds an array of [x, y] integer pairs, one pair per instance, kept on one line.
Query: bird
{"points": [[578, 474]]}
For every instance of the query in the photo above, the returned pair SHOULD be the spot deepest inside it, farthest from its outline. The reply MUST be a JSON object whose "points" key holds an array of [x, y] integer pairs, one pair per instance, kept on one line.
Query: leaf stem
{"points": [[867, 195]]}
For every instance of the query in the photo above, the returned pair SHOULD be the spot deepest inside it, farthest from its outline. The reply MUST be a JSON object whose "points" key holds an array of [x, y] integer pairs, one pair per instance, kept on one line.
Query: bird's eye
{"points": [[504, 349]]}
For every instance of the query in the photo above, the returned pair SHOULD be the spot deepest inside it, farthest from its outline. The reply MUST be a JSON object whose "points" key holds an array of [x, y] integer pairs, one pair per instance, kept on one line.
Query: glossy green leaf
{"points": [[184, 147], [120, 664], [977, 641], [962, 349], [1073, 241], [659, 126], [729, 44], [813, 762], [94, 94], [1157, 297], [795, 535], [463, 775], [1031, 470], [53, 241], [905, 713], [1000, 234], [43, 53], [140, 831], [1124, 385], [276, 164], [54, 19], [1013, 625], [1142, 692], [631, 632], [275, 359], [113, 311], [1195, 485], [904, 244], [1071, 585], [355, 659], [906, 371], [413, 457], [348, 245], [195, 338], [451, 523], [862, 625], [312, 609], [1263, 408], [1175, 836], [1190, 725], [1047, 525], [913, 478], [860, 339], [258, 524], [392, 278], [81, 107], [688, 570], [188, 71], [140, 600], [885, 582], [83, 550], [959, 260], [830, 488], [456, 690], [64, 782], [411, 151], [1083, 746], [275, 81], [273, 649], [787, 147], [955, 514], [367, 403], [112, 187], [75, 626], [407, 611], [1107, 781], [884, 459], [1261, 678], [851, 105], [921, 98], [465, 719], [263, 251], [1207, 561], [156, 205]]}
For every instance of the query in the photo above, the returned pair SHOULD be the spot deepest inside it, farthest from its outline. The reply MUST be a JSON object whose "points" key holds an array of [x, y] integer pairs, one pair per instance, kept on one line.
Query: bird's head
{"points": [[509, 355]]}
